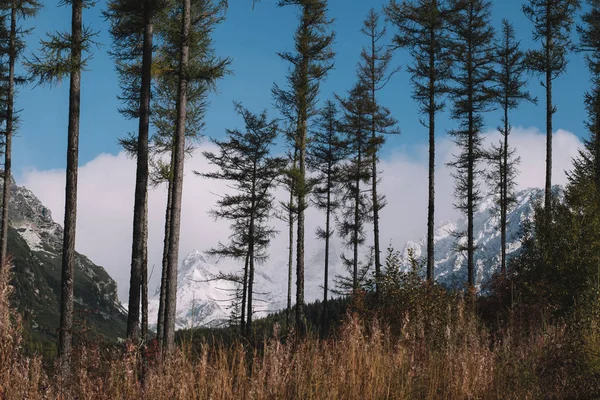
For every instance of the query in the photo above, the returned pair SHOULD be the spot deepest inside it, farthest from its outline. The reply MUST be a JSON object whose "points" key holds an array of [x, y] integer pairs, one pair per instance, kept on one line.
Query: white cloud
{"points": [[106, 191]]}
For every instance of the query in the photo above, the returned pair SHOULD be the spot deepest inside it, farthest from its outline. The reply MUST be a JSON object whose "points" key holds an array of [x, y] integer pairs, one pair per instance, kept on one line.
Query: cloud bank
{"points": [[106, 194]]}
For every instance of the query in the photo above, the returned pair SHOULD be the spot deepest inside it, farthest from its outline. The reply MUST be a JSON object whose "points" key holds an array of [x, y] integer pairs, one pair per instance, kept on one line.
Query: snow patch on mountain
{"points": [[203, 301]]}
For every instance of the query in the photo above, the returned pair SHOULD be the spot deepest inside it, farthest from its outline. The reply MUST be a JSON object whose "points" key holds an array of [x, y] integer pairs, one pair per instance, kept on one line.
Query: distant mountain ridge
{"points": [[35, 244], [204, 302]]}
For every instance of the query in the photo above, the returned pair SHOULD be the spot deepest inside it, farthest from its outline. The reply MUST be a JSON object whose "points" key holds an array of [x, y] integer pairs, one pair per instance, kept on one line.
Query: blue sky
{"points": [[252, 38]]}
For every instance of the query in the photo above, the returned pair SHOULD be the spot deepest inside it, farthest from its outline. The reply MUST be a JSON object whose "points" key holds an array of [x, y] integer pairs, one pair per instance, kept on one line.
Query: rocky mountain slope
{"points": [[35, 243], [202, 301]]}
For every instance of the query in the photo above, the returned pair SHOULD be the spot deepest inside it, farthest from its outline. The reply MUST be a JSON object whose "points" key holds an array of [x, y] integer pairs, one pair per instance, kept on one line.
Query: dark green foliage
{"points": [[245, 161], [326, 153], [552, 21], [422, 29], [588, 161], [510, 85], [472, 94], [373, 72], [310, 63], [357, 172]]}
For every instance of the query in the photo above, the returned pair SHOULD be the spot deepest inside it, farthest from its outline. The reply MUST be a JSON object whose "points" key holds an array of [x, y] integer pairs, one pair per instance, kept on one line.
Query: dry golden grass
{"points": [[356, 365]]}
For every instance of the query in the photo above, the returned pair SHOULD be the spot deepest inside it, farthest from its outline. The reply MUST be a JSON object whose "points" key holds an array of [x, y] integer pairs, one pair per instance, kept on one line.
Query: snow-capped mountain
{"points": [[450, 265], [202, 301], [35, 244]]}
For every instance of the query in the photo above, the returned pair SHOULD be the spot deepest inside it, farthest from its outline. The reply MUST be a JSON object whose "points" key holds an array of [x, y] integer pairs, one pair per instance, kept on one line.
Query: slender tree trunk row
{"points": [[140, 214]]}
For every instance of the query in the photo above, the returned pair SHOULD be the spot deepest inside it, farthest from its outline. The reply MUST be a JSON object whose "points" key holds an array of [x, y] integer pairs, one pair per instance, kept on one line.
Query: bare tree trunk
{"points": [[8, 136], [431, 203], [376, 247], [68, 256], [356, 221], [140, 215], [328, 234], [251, 240], [301, 143], [290, 260], [504, 191], [244, 294], [145, 283], [470, 206], [549, 113], [160, 331], [179, 150]]}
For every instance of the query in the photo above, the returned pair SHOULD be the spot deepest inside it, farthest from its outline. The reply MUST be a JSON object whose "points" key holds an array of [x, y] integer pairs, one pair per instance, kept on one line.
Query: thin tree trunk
{"points": [[244, 294], [251, 239], [549, 113], [300, 317], [356, 221], [68, 256], [160, 331], [376, 248], [144, 285], [327, 236], [470, 193], [171, 298], [291, 248], [431, 203], [8, 136], [140, 214], [504, 190]]}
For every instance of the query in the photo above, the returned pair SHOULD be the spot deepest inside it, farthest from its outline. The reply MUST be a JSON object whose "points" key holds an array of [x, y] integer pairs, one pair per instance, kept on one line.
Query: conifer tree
{"points": [[473, 54], [357, 206], [589, 33], [510, 85], [198, 19], [373, 72], [164, 117], [132, 31], [244, 159], [310, 64], [552, 21], [326, 152], [17, 9], [422, 30], [62, 55]]}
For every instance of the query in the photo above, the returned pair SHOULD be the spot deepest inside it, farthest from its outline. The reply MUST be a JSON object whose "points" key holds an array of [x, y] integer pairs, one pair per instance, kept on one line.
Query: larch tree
{"points": [[18, 10], [245, 161], [511, 91], [164, 119], [62, 55], [552, 22], [132, 32], [374, 73], [326, 153], [589, 34], [422, 30], [472, 94], [357, 173], [198, 20], [310, 63]]}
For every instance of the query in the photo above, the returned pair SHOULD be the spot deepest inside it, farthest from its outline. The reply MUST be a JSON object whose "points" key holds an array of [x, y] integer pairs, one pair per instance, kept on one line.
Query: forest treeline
{"points": [[164, 53]]}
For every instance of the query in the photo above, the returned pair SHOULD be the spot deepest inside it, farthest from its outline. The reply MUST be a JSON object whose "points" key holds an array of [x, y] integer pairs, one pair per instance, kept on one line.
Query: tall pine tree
{"points": [[472, 94], [198, 19], [311, 62], [357, 173], [62, 55], [422, 30], [552, 21], [132, 31], [374, 73], [326, 153], [245, 160], [510, 84]]}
